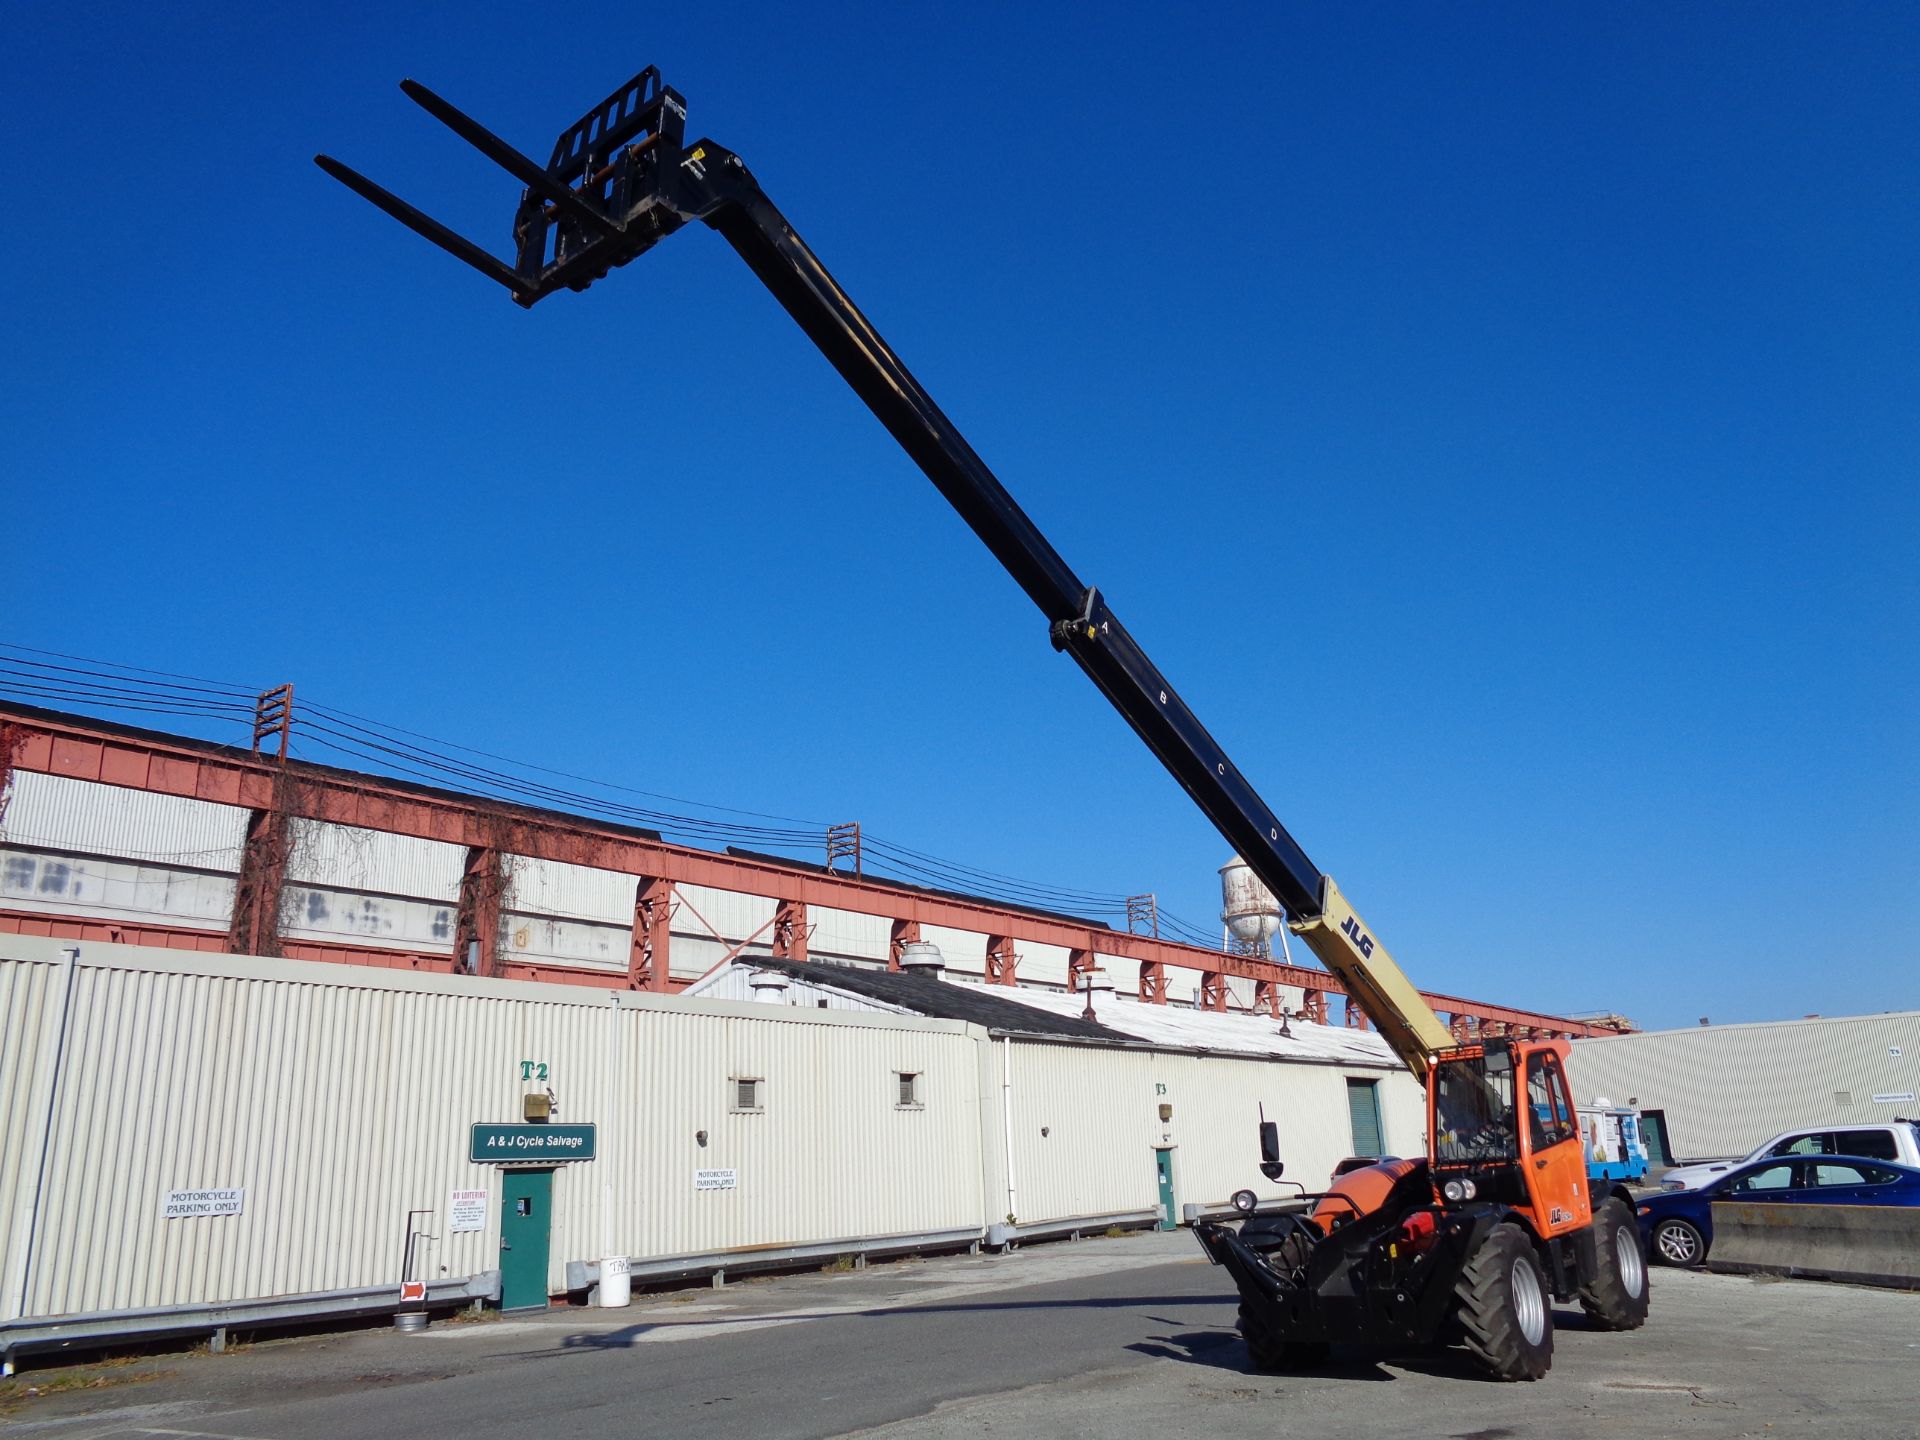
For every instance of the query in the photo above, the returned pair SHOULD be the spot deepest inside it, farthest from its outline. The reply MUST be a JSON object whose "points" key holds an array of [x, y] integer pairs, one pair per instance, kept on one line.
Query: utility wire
{"points": [[30, 673]]}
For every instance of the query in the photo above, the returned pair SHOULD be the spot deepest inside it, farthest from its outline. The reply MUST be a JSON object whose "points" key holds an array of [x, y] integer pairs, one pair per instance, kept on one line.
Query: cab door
{"points": [[1551, 1156]]}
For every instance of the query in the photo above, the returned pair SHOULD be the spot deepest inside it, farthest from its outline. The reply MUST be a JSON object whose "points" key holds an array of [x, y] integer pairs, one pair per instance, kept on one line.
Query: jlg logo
{"points": [[1363, 942]]}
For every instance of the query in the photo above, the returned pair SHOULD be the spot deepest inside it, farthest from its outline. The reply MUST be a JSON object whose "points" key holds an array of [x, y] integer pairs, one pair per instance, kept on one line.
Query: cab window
{"points": [[1549, 1117], [1472, 1112], [1771, 1177]]}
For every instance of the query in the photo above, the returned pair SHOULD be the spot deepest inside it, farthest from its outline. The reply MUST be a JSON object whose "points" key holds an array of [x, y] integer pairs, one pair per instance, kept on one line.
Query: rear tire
{"points": [[1501, 1304], [1615, 1295], [1677, 1242], [1269, 1352]]}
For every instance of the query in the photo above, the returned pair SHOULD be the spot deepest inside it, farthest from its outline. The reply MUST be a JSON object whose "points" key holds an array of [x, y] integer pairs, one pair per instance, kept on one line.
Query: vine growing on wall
{"points": [[12, 738]]}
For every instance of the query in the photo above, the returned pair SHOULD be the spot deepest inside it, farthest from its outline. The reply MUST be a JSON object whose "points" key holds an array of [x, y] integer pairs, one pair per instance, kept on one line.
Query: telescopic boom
{"points": [[622, 179]]}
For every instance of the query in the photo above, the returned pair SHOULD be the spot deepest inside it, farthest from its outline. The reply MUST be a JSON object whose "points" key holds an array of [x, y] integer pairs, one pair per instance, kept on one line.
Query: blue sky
{"points": [[1500, 422]]}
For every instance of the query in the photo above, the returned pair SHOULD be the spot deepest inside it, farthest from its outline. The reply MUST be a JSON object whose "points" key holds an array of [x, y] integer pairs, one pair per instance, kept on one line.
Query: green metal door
{"points": [[1653, 1130], [1363, 1108], [1163, 1167], [526, 1205]]}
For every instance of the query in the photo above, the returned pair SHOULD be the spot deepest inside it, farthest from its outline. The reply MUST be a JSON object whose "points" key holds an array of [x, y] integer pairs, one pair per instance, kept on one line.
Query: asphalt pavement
{"points": [[1111, 1338]]}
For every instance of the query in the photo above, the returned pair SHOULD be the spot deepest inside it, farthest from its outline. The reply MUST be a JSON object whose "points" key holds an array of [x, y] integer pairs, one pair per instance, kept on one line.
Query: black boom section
{"points": [[621, 179]]}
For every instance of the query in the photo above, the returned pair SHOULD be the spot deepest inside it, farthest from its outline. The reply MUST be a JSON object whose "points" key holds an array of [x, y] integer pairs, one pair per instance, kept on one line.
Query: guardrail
{"points": [[999, 1236], [41, 1333], [1861, 1244], [584, 1275]]}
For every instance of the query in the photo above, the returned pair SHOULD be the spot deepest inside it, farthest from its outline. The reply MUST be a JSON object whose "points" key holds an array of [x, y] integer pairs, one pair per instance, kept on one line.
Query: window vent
{"points": [[909, 1088], [1843, 1097], [747, 1095]]}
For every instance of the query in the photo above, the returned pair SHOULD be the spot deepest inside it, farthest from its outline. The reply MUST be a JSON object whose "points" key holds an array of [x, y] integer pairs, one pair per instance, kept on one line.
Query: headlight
{"points": [[1672, 1185], [1458, 1190]]}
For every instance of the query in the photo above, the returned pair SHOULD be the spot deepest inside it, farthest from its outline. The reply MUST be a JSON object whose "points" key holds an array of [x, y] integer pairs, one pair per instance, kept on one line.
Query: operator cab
{"points": [[1489, 1146]]}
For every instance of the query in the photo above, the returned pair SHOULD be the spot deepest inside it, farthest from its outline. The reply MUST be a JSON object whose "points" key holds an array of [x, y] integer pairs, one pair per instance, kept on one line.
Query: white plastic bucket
{"points": [[616, 1283]]}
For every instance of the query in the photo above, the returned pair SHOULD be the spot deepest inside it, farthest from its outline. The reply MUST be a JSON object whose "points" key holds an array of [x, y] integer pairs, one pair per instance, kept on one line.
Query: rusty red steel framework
{"points": [[282, 790]]}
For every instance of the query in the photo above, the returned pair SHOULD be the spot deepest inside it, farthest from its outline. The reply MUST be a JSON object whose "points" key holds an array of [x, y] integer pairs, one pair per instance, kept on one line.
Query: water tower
{"points": [[1248, 910]]}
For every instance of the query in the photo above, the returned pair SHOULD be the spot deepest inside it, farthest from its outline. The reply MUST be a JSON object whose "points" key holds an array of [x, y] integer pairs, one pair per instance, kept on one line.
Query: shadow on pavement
{"points": [[1224, 1350], [1220, 1350], [629, 1335]]}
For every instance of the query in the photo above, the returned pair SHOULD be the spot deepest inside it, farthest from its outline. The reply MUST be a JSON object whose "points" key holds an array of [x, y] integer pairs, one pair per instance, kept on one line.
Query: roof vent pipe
{"points": [[1095, 982], [769, 987], [922, 957]]}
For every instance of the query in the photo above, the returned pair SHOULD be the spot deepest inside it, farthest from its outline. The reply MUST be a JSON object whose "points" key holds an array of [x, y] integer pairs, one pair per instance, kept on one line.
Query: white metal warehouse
{"points": [[1719, 1090]]}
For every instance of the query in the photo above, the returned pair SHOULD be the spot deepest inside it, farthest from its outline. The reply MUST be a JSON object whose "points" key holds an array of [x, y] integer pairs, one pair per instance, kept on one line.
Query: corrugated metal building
{"points": [[1719, 1090], [325, 1112], [337, 1100], [1095, 1118], [113, 833]]}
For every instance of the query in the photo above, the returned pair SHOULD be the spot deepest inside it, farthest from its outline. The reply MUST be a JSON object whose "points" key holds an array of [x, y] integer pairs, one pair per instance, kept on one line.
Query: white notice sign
{"points": [[182, 1204], [1902, 1098], [467, 1211], [715, 1179]]}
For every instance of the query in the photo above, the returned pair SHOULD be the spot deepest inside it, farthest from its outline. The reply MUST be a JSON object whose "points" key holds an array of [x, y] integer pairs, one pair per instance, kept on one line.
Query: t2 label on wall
{"points": [[716, 1179]]}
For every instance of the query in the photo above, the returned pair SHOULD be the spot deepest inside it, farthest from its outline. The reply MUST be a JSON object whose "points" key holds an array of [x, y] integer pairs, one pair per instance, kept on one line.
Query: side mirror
{"points": [[1270, 1165]]}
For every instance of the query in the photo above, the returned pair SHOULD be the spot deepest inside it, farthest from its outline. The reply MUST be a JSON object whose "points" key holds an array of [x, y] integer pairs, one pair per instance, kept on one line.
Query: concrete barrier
{"points": [[1863, 1244]]}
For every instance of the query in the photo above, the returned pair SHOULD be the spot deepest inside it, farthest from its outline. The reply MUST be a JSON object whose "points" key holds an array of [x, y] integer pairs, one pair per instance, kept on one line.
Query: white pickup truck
{"points": [[1897, 1140]]}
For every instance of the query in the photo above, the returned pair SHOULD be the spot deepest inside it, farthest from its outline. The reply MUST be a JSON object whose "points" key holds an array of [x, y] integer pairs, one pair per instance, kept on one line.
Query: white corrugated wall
{"points": [[29, 1013], [85, 817], [562, 914], [1726, 1088], [341, 1098], [1087, 1121], [345, 883], [77, 847]]}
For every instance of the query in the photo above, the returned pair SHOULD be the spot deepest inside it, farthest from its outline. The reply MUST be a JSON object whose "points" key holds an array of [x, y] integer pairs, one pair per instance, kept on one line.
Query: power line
{"points": [[30, 673]]}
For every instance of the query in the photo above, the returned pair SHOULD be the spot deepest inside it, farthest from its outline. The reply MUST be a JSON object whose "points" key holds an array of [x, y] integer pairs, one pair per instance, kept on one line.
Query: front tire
{"points": [[1500, 1301], [1269, 1352], [1615, 1295], [1677, 1242]]}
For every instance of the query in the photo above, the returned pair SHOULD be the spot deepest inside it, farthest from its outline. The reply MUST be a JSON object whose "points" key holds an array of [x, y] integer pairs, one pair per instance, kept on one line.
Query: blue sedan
{"points": [[1678, 1224]]}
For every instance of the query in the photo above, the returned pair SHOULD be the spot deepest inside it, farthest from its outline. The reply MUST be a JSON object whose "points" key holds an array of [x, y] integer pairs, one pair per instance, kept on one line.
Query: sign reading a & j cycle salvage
{"points": [[530, 1144]]}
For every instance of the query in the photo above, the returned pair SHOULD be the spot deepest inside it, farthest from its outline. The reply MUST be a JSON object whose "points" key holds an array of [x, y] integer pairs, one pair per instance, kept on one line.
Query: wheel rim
{"points": [[1676, 1242], [1628, 1260], [1529, 1304]]}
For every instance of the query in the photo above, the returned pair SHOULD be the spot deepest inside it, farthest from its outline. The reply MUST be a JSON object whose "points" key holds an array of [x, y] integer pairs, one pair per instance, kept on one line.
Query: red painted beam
{"points": [[76, 748]]}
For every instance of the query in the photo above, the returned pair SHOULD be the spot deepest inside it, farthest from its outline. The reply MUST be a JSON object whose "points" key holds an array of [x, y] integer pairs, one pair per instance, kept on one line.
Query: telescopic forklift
{"points": [[1472, 1243]]}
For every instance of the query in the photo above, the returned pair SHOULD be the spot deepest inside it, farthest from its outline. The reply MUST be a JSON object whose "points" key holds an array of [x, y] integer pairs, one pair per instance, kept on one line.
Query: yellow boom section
{"points": [[1344, 944]]}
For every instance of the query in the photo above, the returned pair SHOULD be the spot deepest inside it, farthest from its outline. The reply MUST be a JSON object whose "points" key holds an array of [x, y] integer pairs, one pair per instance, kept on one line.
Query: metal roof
{"points": [[1179, 1027], [1123, 1020], [997, 1010]]}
